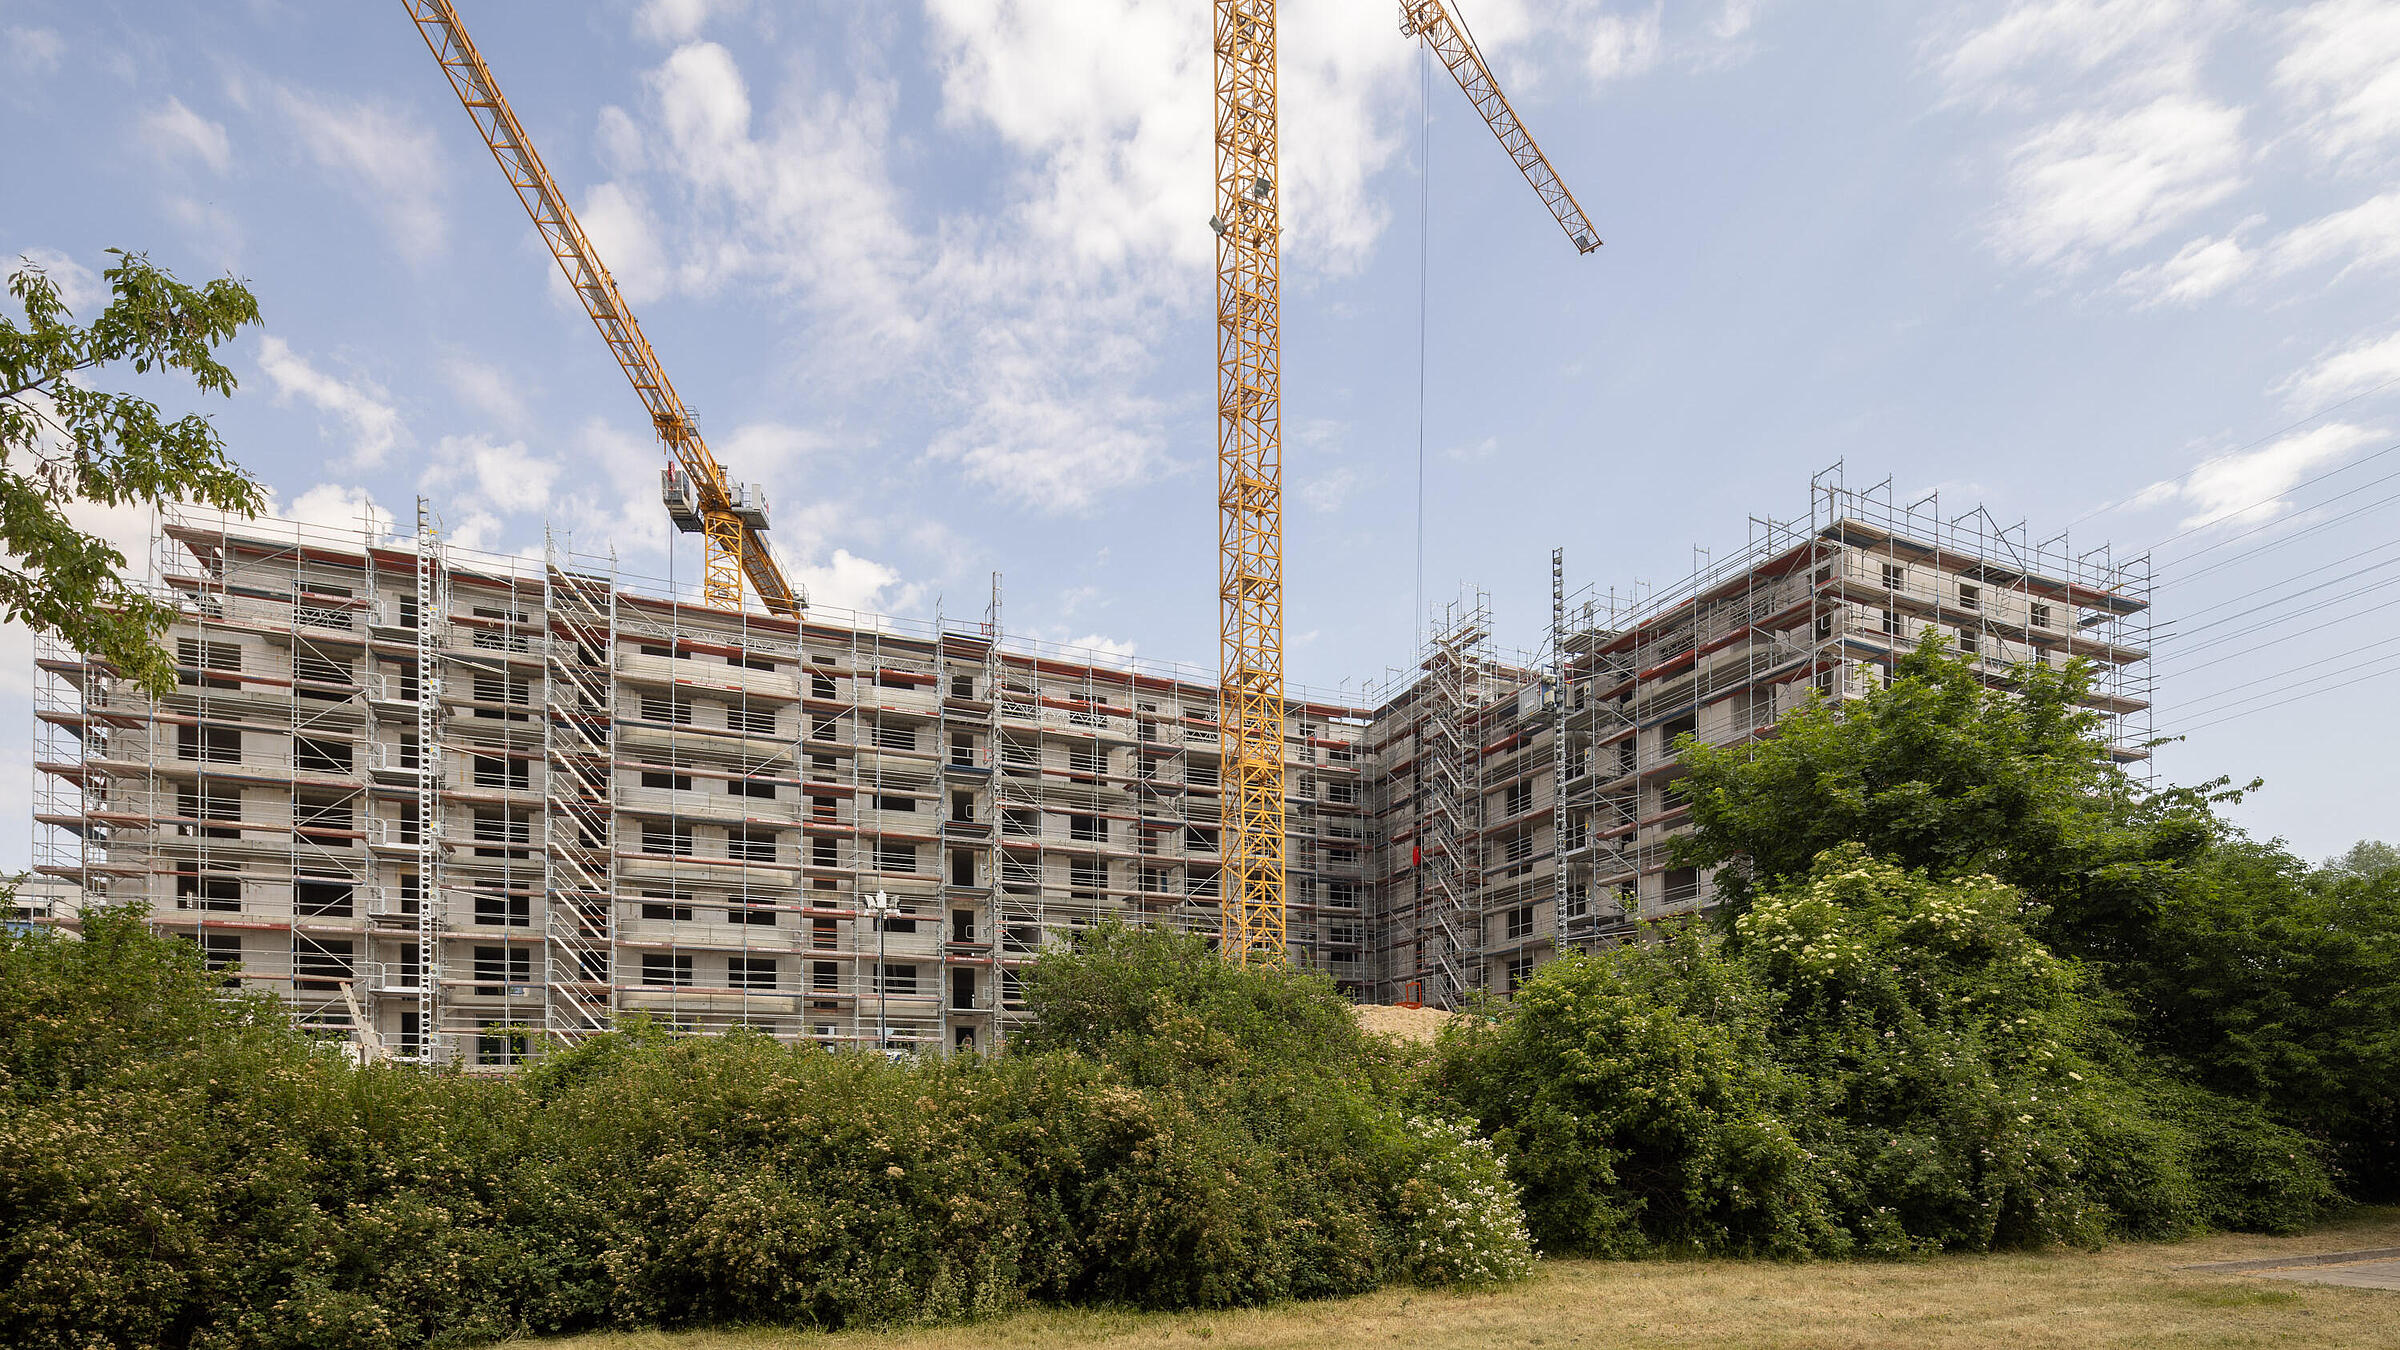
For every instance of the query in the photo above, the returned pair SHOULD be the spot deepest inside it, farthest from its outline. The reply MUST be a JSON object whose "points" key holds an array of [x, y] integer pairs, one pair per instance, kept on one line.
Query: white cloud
{"points": [[847, 581], [621, 232], [175, 131], [2343, 67], [332, 506], [2198, 270], [79, 287], [1624, 45], [375, 425], [2364, 365], [674, 21], [385, 157], [37, 50], [2363, 236], [2238, 488], [1328, 492], [1053, 450], [1473, 451], [489, 390], [2098, 182], [763, 451], [2132, 46], [1103, 650], [506, 479]]}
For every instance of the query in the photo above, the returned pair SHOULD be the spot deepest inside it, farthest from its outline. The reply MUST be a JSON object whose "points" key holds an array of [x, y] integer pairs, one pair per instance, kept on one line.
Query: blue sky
{"points": [[937, 274]]}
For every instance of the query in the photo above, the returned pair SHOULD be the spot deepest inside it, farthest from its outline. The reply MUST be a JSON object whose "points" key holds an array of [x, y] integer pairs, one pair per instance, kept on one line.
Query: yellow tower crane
{"points": [[700, 497], [1250, 434]]}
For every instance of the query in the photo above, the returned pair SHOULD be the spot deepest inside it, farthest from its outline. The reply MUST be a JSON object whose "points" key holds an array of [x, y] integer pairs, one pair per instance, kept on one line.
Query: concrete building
{"points": [[1480, 768], [644, 806]]}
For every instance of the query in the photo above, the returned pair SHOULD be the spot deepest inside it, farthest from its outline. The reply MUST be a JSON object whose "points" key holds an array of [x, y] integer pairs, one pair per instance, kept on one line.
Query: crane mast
{"points": [[1250, 703], [699, 495], [1249, 485]]}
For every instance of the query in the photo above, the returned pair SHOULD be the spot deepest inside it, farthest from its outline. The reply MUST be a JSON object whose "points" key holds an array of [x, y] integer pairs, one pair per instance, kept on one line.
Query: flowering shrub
{"points": [[1462, 1222]]}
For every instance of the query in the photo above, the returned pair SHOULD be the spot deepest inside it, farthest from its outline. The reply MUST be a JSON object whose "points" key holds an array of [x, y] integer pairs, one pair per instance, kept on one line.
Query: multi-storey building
{"points": [[636, 805], [1480, 768], [453, 802]]}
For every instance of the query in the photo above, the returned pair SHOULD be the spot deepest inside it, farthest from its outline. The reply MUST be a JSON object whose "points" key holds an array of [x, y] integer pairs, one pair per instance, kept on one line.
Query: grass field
{"points": [[2131, 1295]]}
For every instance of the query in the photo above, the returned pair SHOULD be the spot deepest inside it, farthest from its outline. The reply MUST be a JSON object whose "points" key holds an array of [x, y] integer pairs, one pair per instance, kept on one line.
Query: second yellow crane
{"points": [[1252, 891]]}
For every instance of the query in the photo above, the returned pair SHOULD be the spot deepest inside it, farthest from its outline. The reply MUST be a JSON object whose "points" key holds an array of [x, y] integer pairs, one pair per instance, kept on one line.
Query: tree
{"points": [[1942, 772], [63, 441], [2262, 980]]}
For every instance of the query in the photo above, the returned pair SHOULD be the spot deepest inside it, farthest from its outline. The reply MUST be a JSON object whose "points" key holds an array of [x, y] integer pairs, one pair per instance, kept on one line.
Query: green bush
{"points": [[2237, 967], [190, 1171], [1870, 1062]]}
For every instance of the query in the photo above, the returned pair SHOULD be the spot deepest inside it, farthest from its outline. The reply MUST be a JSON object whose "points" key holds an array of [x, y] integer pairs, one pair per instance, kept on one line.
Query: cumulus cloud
{"points": [[176, 132], [2342, 69], [2370, 363], [500, 478], [333, 506], [2241, 488], [362, 405], [385, 157], [2198, 270]]}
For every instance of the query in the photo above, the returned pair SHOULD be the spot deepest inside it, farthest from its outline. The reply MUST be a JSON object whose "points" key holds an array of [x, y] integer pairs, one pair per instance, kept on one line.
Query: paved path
{"points": [[2376, 1268]]}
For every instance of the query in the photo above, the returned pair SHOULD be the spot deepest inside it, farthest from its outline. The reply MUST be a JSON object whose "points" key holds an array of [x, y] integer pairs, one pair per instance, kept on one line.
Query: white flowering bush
{"points": [[1460, 1219]]}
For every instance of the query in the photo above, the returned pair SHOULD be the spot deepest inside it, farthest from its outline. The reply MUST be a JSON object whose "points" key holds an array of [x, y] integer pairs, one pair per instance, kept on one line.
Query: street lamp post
{"points": [[879, 905]]}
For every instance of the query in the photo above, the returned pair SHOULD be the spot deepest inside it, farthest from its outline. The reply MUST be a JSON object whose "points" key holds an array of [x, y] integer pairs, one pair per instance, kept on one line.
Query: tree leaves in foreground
{"points": [[64, 441]]}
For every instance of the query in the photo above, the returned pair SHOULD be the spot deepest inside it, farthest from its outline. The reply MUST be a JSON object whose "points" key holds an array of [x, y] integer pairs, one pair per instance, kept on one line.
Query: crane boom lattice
{"points": [[700, 495], [1456, 50]]}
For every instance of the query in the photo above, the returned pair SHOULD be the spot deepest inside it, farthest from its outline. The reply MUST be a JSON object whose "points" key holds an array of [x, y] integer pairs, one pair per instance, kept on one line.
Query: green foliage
{"points": [[1872, 1062], [191, 1171], [62, 441], [2239, 968]]}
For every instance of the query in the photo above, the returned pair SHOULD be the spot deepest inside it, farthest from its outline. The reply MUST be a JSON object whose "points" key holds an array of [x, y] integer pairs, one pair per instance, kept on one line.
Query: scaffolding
{"points": [[454, 805]]}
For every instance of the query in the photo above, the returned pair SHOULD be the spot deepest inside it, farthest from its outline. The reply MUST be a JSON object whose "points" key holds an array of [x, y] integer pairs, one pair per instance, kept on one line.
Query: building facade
{"points": [[1523, 807], [636, 805], [451, 804]]}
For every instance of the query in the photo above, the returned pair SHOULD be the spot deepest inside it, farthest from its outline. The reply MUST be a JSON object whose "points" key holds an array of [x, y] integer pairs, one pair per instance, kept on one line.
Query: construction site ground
{"points": [[2131, 1294]]}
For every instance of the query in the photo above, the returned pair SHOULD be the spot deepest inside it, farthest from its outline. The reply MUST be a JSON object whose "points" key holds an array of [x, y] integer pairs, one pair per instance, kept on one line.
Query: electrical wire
{"points": [[1424, 231], [2284, 702], [2253, 445], [2202, 701]]}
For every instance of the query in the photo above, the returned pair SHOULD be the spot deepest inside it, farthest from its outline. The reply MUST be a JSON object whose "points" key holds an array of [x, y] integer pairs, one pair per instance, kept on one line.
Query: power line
{"points": [[2351, 575], [2258, 628], [2296, 698], [2202, 701], [2253, 445], [2273, 521]]}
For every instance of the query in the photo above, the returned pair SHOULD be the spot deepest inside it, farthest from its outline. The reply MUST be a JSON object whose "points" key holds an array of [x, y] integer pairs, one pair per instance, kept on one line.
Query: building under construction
{"points": [[858, 831]]}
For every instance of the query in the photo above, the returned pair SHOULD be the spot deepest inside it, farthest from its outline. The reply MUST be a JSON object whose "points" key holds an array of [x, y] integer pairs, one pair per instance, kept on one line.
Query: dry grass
{"points": [[2123, 1296]]}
